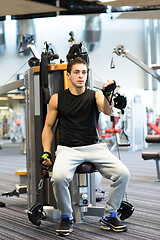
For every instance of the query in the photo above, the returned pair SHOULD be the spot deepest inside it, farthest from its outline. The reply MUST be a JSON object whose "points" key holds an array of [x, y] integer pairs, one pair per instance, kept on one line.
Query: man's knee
{"points": [[60, 179], [125, 174]]}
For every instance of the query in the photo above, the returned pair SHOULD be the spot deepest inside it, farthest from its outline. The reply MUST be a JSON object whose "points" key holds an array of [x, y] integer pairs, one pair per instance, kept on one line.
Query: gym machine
{"points": [[41, 82], [138, 137], [43, 206], [120, 51], [27, 42], [83, 185]]}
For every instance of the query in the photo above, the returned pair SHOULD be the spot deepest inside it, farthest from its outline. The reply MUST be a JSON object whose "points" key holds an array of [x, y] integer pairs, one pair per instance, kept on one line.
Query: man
{"points": [[77, 110]]}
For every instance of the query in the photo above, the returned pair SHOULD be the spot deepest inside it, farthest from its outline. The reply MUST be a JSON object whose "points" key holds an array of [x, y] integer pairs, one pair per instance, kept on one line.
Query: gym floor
{"points": [[143, 193]]}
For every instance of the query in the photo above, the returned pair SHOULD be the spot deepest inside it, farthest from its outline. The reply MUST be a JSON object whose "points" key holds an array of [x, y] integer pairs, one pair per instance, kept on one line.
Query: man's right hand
{"points": [[46, 159]]}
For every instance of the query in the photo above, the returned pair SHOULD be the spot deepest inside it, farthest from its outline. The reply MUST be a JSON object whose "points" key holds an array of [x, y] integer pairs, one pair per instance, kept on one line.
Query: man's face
{"points": [[78, 75]]}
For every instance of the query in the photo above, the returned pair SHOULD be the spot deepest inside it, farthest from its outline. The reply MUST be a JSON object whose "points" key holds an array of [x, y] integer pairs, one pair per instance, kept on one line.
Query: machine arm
{"points": [[120, 51], [27, 41]]}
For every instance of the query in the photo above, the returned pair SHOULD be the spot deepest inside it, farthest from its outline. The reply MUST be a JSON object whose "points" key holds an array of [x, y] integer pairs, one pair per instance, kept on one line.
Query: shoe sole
{"points": [[109, 228], [61, 233]]}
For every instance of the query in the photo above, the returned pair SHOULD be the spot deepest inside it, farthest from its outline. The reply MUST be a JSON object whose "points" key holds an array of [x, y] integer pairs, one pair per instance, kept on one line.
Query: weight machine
{"points": [[121, 51], [40, 83], [83, 185], [43, 206]]}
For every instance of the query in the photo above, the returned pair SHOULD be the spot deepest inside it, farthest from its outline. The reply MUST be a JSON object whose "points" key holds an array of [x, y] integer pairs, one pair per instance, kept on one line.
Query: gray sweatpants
{"points": [[67, 159]]}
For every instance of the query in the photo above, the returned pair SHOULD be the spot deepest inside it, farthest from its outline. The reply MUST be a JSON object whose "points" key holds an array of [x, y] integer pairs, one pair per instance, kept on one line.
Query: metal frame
{"points": [[120, 51], [158, 169], [12, 86], [30, 137], [34, 118]]}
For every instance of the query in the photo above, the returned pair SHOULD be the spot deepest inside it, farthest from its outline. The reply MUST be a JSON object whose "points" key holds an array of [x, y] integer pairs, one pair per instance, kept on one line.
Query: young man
{"points": [[77, 110]]}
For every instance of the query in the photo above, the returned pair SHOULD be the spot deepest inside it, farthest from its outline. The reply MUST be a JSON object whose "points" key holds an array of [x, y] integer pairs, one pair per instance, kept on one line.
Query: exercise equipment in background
{"points": [[121, 51], [25, 36], [154, 127], [153, 155]]}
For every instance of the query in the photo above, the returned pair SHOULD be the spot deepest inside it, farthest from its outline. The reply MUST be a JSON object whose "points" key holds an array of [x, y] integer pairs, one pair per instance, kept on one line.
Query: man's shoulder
{"points": [[62, 93], [53, 103], [90, 92]]}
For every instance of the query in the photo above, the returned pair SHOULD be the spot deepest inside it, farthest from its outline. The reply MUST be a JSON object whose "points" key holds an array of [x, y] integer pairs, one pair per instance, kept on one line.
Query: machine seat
{"points": [[151, 155], [153, 138], [86, 167]]}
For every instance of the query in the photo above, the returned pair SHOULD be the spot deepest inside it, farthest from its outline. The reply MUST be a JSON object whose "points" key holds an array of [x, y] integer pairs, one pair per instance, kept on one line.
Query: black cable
{"points": [[119, 159], [117, 146]]}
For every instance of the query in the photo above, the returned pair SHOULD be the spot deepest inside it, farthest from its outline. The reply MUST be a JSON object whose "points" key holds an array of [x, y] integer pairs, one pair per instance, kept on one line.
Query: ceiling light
{"points": [[104, 1], [3, 108], [126, 8]]}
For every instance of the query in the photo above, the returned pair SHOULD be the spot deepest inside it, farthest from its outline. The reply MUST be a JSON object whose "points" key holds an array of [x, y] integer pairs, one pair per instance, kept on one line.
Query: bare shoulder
{"points": [[53, 103], [98, 95]]}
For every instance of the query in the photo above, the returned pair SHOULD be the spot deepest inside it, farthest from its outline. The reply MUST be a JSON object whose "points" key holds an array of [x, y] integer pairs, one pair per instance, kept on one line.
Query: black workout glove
{"points": [[108, 90], [46, 155]]}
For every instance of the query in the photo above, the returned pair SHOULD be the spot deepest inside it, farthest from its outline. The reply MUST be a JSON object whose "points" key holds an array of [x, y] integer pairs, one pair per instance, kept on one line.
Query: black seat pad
{"points": [[86, 167], [151, 155]]}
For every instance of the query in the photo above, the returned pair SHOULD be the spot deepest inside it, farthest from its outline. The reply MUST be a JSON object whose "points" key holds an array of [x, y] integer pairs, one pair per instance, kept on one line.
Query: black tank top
{"points": [[78, 117]]}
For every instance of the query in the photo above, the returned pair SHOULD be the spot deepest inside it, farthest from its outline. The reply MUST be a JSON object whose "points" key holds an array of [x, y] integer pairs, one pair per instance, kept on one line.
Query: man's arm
{"points": [[102, 103], [47, 135]]}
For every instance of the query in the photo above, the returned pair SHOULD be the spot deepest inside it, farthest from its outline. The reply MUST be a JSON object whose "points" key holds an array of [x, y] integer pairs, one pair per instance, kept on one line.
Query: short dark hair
{"points": [[77, 60]]}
